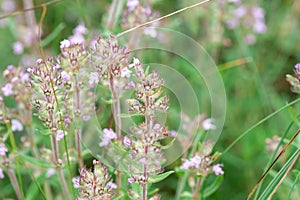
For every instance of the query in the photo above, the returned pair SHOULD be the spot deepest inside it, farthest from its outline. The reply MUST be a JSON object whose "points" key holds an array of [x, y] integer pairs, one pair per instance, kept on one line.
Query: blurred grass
{"points": [[254, 89]]}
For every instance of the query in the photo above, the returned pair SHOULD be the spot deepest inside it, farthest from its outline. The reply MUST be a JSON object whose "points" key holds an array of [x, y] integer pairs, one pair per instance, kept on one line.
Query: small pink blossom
{"points": [[93, 79], [125, 72], [86, 118], [16, 125], [8, 5], [218, 169], [1, 174], [130, 180], [80, 30], [108, 135], [111, 185], [50, 172], [75, 181], [18, 48], [173, 133], [3, 149], [7, 89], [65, 76], [127, 141], [60, 135]]}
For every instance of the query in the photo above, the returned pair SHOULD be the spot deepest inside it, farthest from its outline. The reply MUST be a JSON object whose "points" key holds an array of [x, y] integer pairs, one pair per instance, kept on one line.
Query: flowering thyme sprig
{"points": [[145, 148], [95, 184]]}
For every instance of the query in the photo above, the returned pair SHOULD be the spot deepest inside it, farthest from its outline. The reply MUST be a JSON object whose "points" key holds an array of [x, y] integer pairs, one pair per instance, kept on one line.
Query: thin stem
{"points": [[30, 19], [197, 189], [111, 15], [78, 134], [13, 180], [58, 166], [18, 184], [116, 114]]}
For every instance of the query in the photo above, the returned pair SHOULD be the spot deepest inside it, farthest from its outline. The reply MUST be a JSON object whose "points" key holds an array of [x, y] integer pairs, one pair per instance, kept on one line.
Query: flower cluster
{"points": [[251, 18], [145, 148], [52, 85], [295, 80], [95, 184]]}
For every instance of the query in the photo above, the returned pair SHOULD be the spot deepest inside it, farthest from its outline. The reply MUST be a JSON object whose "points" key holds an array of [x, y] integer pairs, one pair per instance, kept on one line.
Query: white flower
{"points": [[65, 44], [1, 173], [16, 125], [207, 124], [3, 149], [131, 4], [125, 72]]}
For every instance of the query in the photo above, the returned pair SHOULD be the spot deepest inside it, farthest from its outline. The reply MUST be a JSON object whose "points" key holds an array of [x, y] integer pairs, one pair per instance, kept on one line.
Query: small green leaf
{"points": [[186, 195], [160, 177], [213, 187], [35, 161]]}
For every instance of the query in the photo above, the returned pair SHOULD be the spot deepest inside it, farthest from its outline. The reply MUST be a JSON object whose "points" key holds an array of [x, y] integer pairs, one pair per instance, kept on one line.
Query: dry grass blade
{"points": [[29, 9], [163, 17], [273, 163]]}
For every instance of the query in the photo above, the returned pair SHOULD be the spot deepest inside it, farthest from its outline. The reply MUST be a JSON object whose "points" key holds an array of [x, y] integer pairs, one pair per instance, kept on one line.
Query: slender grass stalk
{"points": [[273, 156], [245, 133], [284, 176], [111, 15], [18, 185]]}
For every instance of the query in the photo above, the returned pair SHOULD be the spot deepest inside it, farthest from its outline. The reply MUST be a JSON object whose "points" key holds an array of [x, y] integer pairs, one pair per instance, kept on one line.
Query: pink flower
{"points": [[125, 72], [127, 141], [18, 48], [111, 185], [80, 30], [7, 89], [3, 149], [218, 169], [16, 125], [60, 135], [65, 76], [1, 174], [75, 181], [50, 172], [108, 135], [130, 180], [93, 79]]}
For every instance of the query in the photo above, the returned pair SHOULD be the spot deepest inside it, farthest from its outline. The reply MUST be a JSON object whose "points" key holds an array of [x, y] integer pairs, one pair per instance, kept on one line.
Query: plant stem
{"points": [[14, 181], [58, 167], [116, 114], [18, 185], [78, 134], [111, 15], [197, 189]]}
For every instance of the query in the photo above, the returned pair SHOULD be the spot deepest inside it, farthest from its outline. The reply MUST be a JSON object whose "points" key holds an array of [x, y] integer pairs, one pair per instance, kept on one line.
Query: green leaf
{"points": [[125, 115], [293, 115], [186, 195], [33, 188], [35, 161], [160, 177], [213, 187]]}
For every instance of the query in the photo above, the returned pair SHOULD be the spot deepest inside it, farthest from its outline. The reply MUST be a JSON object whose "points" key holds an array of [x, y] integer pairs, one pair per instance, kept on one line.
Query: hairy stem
{"points": [[58, 167], [14, 182], [197, 189], [116, 114], [78, 134]]}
